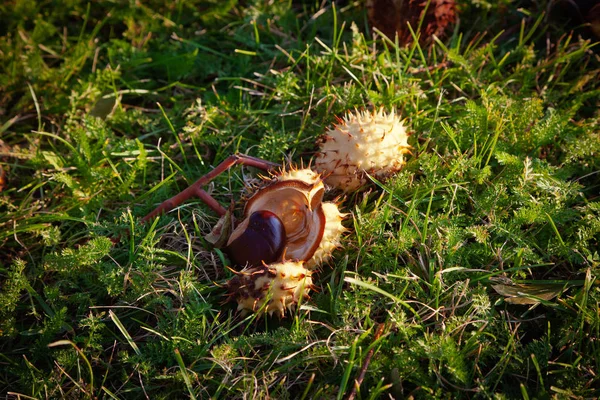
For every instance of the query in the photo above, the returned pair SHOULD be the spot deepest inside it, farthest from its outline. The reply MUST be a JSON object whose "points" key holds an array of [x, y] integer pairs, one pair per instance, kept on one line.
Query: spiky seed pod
{"points": [[331, 235], [271, 288], [305, 175], [295, 196], [363, 141], [333, 217]]}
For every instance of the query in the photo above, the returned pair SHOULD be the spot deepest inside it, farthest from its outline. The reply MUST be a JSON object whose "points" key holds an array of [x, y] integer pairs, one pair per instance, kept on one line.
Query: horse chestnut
{"points": [[262, 240]]}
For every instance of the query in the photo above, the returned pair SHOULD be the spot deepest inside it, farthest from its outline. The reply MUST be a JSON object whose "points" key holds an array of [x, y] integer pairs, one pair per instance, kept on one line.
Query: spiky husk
{"points": [[362, 142], [271, 288], [296, 196], [305, 175], [333, 217], [331, 235]]}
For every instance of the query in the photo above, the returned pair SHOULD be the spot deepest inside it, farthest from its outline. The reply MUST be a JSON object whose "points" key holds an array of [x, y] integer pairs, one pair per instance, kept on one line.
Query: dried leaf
{"points": [[220, 234], [393, 17], [3, 182], [528, 294], [579, 15], [593, 18]]}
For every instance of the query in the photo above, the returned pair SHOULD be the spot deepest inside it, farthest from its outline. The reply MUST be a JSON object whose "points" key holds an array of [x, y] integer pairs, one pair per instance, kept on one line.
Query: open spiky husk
{"points": [[296, 197], [272, 288], [331, 235]]}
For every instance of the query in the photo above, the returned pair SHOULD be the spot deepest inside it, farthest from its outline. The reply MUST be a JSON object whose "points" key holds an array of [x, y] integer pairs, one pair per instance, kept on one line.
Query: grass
{"points": [[480, 259]]}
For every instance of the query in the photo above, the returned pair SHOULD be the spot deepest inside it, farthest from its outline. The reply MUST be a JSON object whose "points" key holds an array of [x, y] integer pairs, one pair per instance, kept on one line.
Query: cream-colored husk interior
{"points": [[299, 208]]}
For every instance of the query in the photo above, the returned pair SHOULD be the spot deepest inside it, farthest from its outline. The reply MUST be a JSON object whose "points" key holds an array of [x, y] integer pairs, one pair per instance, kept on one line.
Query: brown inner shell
{"points": [[298, 205]]}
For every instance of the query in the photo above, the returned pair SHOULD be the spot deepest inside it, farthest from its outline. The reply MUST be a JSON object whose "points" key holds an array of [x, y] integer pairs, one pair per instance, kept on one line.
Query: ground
{"points": [[472, 273]]}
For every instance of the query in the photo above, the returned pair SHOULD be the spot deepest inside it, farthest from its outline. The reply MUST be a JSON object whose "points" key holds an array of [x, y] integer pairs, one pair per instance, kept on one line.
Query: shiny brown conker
{"points": [[262, 240]]}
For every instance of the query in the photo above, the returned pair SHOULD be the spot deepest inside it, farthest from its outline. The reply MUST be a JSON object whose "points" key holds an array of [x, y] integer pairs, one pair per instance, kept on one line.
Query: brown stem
{"points": [[363, 370], [195, 189]]}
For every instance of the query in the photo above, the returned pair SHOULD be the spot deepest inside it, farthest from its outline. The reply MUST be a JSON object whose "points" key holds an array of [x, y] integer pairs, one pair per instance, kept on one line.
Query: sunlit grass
{"points": [[478, 261]]}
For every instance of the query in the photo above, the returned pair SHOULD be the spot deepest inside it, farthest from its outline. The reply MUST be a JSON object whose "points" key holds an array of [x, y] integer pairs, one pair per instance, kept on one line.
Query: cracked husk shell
{"points": [[312, 227], [331, 235], [271, 288], [362, 143]]}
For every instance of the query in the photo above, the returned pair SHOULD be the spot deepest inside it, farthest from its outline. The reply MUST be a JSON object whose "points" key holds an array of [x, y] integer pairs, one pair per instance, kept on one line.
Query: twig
{"points": [[363, 370]]}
